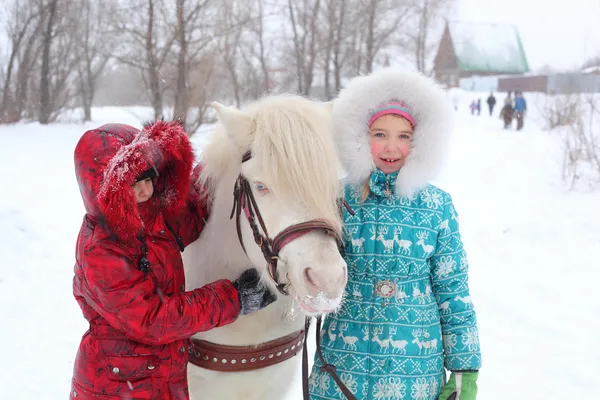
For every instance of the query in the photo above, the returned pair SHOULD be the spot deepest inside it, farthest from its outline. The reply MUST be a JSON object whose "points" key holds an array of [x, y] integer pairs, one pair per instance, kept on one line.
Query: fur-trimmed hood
{"points": [[110, 158], [429, 106]]}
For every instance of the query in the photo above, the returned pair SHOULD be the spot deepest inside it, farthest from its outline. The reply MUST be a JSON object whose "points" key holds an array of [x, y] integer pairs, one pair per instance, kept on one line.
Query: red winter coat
{"points": [[139, 313]]}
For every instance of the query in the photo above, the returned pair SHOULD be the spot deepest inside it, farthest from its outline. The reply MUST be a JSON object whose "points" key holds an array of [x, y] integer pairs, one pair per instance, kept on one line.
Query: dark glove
{"points": [[253, 295]]}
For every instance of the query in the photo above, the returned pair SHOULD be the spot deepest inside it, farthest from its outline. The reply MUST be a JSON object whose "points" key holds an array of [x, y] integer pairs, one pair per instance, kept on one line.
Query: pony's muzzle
{"points": [[329, 281]]}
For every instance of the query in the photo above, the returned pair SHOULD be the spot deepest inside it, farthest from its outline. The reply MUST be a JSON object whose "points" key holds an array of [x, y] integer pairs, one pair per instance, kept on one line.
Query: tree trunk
{"points": [[337, 62], [181, 93], [152, 66], [370, 38], [261, 43], [25, 64], [309, 69], [331, 19], [298, 51], [45, 101], [6, 108]]}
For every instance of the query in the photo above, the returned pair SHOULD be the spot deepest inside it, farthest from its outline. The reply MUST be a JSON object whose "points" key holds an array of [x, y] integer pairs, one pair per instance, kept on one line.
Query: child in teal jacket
{"points": [[407, 316]]}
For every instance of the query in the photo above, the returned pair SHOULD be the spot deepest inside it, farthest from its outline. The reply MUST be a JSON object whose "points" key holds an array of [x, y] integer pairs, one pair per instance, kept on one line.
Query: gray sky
{"points": [[561, 33]]}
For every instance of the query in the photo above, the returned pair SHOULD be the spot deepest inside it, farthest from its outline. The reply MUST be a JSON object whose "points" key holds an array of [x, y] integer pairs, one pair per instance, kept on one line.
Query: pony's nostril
{"points": [[341, 278], [308, 276]]}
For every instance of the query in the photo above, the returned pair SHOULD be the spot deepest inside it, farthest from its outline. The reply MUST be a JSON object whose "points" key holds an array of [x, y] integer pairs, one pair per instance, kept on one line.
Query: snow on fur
{"points": [[163, 144]]}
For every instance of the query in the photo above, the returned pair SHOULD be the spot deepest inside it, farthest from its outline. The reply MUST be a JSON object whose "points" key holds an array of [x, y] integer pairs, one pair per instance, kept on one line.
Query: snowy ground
{"points": [[532, 247]]}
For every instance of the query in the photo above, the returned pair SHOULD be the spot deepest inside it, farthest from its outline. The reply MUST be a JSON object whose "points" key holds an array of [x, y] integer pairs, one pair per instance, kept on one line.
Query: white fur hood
{"points": [[429, 106]]}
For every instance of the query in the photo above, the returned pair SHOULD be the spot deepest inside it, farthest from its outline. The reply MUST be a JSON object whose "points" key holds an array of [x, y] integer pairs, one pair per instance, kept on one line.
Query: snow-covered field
{"points": [[532, 246]]}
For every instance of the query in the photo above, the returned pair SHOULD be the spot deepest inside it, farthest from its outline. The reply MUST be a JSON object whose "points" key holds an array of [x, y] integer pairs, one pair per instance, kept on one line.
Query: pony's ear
{"points": [[238, 124]]}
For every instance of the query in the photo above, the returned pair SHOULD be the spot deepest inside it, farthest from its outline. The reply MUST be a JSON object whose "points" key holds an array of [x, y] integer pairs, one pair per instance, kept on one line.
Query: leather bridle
{"points": [[271, 247]]}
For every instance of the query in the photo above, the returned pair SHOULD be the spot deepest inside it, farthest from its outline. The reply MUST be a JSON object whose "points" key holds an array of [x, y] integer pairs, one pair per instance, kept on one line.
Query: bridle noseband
{"points": [[244, 200]]}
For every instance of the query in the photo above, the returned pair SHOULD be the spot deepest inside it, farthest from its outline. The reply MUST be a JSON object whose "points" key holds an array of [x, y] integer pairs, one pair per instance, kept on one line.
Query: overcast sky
{"points": [[561, 33]]}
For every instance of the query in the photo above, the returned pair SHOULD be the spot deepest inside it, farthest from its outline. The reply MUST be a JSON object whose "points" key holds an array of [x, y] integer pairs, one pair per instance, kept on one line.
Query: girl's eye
{"points": [[404, 136], [379, 134], [261, 187]]}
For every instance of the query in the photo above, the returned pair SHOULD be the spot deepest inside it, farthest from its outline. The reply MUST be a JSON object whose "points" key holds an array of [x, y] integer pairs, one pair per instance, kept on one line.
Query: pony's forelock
{"points": [[294, 146]]}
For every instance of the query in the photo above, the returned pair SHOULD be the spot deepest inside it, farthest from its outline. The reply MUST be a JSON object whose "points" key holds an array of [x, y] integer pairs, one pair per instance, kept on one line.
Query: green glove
{"points": [[461, 386]]}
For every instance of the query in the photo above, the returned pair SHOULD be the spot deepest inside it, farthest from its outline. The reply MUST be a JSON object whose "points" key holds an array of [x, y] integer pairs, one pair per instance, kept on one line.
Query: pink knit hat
{"points": [[392, 107]]}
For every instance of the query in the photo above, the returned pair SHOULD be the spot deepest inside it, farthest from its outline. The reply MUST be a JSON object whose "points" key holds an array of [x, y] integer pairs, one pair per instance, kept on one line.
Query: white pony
{"points": [[291, 168]]}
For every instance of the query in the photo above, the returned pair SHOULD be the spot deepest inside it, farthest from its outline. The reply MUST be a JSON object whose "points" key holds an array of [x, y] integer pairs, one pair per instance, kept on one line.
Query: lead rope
{"points": [[305, 360], [329, 368]]}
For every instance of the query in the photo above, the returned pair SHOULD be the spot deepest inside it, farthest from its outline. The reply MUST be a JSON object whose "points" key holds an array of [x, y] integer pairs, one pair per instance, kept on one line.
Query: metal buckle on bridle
{"points": [[283, 288]]}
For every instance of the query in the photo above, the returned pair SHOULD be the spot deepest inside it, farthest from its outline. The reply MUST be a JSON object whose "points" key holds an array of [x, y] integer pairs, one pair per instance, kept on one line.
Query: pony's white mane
{"points": [[296, 151]]}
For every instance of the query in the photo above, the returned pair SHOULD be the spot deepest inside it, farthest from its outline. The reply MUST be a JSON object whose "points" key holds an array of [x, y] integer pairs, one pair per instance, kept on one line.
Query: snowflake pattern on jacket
{"points": [[407, 312]]}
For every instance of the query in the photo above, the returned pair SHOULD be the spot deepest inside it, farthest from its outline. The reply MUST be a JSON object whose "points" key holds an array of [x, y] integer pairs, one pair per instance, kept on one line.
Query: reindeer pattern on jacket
{"points": [[407, 313]]}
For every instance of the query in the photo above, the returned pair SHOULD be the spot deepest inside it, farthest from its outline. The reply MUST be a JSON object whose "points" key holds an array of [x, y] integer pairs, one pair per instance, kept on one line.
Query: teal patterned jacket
{"points": [[407, 311]]}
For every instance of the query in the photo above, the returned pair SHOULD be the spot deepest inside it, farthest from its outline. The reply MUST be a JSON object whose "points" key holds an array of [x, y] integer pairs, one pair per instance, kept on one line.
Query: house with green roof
{"points": [[478, 49]]}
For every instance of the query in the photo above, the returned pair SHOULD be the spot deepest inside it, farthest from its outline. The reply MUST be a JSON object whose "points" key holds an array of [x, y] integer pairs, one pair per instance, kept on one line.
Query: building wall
{"points": [[480, 83], [555, 83], [528, 83], [471, 74], [573, 83]]}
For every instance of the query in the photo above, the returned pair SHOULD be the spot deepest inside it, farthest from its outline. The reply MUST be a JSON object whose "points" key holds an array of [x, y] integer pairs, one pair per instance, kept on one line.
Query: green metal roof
{"points": [[487, 47]]}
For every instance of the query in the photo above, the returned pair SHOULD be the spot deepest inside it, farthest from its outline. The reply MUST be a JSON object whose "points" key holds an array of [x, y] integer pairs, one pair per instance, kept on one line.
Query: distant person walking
{"points": [[491, 102], [520, 109], [507, 114]]}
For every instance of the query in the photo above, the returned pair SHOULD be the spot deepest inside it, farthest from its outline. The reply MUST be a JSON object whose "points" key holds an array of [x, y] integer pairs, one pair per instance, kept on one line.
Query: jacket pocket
{"points": [[132, 368], [78, 392]]}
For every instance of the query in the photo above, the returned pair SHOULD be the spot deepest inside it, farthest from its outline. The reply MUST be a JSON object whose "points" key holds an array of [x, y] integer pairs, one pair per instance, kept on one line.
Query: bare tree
{"points": [[258, 28], [382, 20], [256, 52], [206, 82], [63, 61], [154, 62], [94, 46], [23, 24], [581, 143], [231, 54], [245, 60], [336, 19], [424, 24], [303, 19], [181, 92], [188, 23], [27, 63], [200, 26], [39, 74], [49, 12], [146, 43]]}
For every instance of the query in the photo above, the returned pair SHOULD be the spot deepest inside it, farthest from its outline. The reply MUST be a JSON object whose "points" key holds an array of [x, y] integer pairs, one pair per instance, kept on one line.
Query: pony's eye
{"points": [[261, 187]]}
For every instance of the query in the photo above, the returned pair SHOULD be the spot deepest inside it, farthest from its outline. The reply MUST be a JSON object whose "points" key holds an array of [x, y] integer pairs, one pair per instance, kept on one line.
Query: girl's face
{"points": [[143, 190], [391, 138]]}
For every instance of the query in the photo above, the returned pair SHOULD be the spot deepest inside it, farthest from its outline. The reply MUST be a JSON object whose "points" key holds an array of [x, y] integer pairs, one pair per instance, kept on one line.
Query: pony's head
{"points": [[292, 170]]}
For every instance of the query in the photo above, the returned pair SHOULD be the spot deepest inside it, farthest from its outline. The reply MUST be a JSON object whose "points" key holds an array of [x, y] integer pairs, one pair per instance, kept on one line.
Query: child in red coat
{"points": [[141, 211]]}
